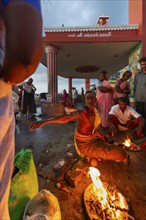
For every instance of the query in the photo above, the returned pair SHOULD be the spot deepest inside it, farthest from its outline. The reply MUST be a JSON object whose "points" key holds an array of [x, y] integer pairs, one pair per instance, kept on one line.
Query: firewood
{"points": [[75, 175]]}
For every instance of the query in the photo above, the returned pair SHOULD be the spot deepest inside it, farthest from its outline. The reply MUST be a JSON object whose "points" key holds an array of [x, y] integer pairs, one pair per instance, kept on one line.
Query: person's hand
{"points": [[139, 134], [35, 124], [126, 91], [100, 136], [112, 130]]}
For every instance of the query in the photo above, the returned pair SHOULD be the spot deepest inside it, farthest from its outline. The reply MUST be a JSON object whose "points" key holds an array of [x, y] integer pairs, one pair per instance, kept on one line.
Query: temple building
{"points": [[82, 52]]}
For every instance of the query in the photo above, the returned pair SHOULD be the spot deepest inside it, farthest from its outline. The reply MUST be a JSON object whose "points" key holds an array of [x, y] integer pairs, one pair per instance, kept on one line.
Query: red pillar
{"points": [[87, 84], [143, 27], [51, 56], [69, 85]]}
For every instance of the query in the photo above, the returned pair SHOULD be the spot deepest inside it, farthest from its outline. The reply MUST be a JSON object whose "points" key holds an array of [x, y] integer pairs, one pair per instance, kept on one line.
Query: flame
{"points": [[118, 213], [103, 196], [127, 143], [122, 204]]}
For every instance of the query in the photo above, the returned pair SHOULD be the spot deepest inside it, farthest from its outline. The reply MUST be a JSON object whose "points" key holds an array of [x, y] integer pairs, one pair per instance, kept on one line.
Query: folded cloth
{"points": [[82, 137]]}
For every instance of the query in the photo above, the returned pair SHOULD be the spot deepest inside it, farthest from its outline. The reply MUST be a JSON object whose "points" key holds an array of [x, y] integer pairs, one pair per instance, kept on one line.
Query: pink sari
{"points": [[104, 103]]}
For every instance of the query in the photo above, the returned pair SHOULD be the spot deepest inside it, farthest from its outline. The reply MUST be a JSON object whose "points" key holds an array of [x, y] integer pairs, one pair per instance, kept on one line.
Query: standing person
{"points": [[123, 117], [68, 102], [82, 94], [75, 97], [122, 87], [88, 140], [104, 96], [102, 76], [140, 89], [29, 106], [64, 95], [68, 107], [20, 94], [20, 54]]}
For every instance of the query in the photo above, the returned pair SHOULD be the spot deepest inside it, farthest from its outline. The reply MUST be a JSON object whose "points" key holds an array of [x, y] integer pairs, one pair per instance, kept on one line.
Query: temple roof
{"points": [[87, 48], [92, 28]]}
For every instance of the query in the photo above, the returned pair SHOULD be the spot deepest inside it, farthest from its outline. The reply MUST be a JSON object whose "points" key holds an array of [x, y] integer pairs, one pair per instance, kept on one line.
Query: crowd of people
{"points": [[107, 108], [102, 111], [110, 99]]}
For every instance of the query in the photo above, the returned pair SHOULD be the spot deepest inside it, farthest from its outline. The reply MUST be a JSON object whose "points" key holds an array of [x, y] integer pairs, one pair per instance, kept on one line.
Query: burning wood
{"points": [[104, 201], [129, 145]]}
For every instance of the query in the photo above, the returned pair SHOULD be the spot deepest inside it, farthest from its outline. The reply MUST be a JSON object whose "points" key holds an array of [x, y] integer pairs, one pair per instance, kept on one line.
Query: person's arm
{"points": [[140, 126], [123, 87], [56, 120], [117, 87], [112, 129], [110, 116], [127, 89], [20, 86], [141, 120], [23, 23], [34, 87], [104, 89]]}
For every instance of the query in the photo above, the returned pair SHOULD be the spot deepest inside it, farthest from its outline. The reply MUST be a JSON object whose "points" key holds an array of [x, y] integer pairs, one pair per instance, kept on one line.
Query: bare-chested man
{"points": [[87, 136]]}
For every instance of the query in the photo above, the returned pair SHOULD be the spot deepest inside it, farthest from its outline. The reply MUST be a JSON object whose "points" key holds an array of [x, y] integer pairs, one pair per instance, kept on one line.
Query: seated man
{"points": [[87, 136], [123, 117]]}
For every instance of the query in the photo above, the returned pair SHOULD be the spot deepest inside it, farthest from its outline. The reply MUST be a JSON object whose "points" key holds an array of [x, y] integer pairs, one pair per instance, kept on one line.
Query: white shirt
{"points": [[27, 87], [125, 116], [75, 94]]}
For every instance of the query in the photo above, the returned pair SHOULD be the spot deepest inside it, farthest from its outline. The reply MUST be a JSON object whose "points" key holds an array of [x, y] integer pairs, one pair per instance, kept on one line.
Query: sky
{"points": [[76, 13]]}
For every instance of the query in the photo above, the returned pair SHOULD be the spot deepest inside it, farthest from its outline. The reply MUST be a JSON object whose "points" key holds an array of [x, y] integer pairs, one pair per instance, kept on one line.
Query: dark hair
{"points": [[123, 99], [90, 92], [103, 72], [142, 59], [43, 95], [127, 72], [31, 79]]}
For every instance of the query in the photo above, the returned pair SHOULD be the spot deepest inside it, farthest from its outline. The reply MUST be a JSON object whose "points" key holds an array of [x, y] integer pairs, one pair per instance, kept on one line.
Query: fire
{"points": [[122, 204], [110, 199], [127, 143], [94, 173]]}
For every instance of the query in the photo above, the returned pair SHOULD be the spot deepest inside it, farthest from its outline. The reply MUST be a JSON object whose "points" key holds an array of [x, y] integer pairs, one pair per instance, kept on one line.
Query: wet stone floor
{"points": [[53, 148]]}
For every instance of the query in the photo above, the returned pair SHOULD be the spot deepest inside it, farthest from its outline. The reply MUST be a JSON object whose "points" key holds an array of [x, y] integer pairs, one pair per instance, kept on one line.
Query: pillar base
{"points": [[52, 108]]}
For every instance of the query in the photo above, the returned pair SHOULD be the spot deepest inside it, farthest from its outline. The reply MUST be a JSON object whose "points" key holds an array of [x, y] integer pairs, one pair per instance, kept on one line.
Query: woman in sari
{"points": [[104, 96], [122, 87]]}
